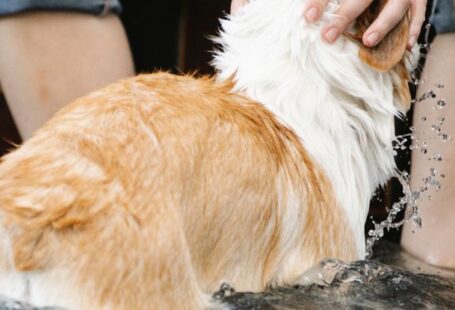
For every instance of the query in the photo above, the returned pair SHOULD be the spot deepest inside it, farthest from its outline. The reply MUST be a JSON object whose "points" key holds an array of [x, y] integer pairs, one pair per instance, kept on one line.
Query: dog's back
{"points": [[152, 191]]}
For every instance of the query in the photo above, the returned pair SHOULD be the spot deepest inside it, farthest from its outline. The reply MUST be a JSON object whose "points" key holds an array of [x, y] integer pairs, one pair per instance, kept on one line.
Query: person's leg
{"points": [[48, 59], [435, 242]]}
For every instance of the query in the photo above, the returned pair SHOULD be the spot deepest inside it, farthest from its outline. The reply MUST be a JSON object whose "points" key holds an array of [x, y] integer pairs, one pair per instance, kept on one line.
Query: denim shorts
{"points": [[96, 7], [443, 16]]}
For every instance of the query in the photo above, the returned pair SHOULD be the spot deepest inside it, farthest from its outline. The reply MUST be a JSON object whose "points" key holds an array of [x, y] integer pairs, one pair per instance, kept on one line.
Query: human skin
{"points": [[349, 10], [48, 59], [434, 243]]}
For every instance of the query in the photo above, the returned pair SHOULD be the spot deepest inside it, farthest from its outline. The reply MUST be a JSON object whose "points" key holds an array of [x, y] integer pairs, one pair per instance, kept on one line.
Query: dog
{"points": [[151, 192]]}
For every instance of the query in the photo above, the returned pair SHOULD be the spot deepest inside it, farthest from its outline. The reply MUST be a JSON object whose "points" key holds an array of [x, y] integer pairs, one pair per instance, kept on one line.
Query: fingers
{"points": [[313, 9], [348, 11], [418, 17], [389, 17], [236, 5]]}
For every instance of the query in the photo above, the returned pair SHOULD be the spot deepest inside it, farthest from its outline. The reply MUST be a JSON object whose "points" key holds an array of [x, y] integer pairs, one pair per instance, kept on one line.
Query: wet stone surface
{"points": [[360, 285], [391, 280], [374, 284]]}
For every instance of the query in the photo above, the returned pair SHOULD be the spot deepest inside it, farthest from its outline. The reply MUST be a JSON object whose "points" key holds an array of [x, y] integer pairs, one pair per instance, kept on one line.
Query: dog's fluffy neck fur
{"points": [[341, 109]]}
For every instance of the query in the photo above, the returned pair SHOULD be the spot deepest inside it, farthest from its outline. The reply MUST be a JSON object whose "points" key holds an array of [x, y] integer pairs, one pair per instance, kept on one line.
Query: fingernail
{"points": [[331, 34], [412, 41], [372, 39], [311, 14]]}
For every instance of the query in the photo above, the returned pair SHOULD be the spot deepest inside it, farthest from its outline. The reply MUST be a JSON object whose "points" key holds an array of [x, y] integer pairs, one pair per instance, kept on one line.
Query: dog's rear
{"points": [[150, 193], [89, 208], [153, 191]]}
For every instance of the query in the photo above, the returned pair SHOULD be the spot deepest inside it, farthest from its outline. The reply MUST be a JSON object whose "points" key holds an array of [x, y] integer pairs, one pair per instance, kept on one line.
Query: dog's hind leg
{"points": [[112, 261], [81, 239]]}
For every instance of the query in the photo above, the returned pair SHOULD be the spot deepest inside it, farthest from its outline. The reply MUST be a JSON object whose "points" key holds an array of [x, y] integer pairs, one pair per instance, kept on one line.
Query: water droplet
{"points": [[445, 137], [437, 157], [441, 103], [417, 82], [225, 291], [418, 221]]}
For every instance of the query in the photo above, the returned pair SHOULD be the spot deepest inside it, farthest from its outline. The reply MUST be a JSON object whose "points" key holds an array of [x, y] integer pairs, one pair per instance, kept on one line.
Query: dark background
{"points": [[173, 35]]}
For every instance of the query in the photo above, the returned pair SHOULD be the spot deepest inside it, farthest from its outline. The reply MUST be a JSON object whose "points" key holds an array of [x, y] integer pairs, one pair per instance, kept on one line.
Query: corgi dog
{"points": [[151, 192]]}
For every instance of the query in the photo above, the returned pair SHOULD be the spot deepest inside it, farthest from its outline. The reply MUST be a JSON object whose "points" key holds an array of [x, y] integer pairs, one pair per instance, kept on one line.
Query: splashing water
{"points": [[411, 198], [419, 141]]}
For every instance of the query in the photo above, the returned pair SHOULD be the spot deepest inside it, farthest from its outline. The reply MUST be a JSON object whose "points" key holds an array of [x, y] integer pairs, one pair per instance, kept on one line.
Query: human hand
{"points": [[349, 10]]}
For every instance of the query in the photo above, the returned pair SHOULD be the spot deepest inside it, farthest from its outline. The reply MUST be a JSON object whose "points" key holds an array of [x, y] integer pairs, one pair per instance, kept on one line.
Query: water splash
{"points": [[225, 291], [419, 142], [411, 197]]}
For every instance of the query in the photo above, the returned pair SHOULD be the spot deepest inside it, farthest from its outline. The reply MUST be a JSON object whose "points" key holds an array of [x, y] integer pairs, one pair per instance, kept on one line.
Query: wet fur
{"points": [[151, 192], [134, 192]]}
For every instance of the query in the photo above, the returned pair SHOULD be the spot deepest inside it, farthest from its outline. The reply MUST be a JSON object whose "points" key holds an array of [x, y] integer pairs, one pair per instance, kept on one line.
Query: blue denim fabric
{"points": [[96, 7], [443, 17]]}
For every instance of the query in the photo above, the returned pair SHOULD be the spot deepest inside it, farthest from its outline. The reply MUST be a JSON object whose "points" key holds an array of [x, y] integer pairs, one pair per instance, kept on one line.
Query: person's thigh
{"points": [[48, 59]]}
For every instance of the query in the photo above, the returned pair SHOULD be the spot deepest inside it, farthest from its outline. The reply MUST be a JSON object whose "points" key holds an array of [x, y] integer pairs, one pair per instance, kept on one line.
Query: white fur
{"points": [[342, 110]]}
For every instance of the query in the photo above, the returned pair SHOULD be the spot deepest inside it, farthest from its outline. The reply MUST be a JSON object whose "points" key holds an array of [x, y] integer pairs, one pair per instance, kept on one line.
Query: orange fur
{"points": [[152, 191]]}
